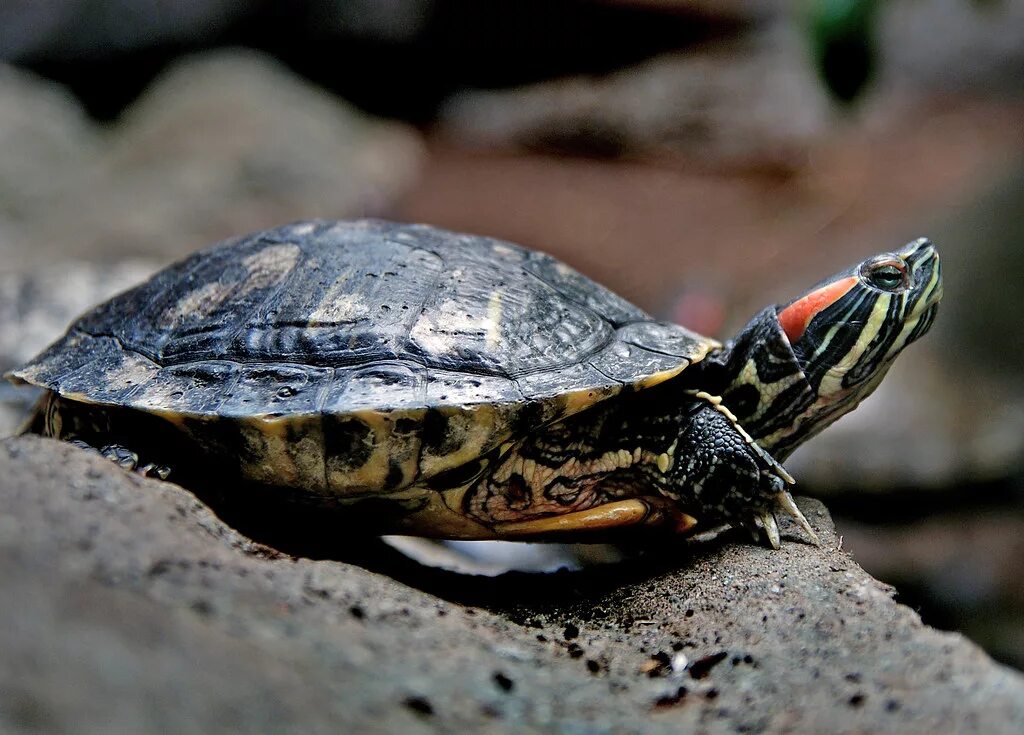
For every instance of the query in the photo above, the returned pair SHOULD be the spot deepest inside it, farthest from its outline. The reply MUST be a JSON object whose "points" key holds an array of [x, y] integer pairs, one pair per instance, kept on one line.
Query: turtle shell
{"points": [[351, 358]]}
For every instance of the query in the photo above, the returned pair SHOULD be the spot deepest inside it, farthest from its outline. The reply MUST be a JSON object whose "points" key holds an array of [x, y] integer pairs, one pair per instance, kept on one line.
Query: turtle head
{"points": [[796, 368], [846, 331]]}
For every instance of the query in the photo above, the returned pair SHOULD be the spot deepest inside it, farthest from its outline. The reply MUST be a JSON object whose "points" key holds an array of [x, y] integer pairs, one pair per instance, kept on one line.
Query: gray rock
{"points": [[222, 144], [46, 141], [962, 568], [711, 106], [130, 607], [949, 46], [752, 98]]}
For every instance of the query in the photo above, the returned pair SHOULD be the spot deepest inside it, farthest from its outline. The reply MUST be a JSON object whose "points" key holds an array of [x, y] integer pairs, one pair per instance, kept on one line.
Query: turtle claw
{"points": [[159, 471], [121, 456], [786, 502], [771, 529]]}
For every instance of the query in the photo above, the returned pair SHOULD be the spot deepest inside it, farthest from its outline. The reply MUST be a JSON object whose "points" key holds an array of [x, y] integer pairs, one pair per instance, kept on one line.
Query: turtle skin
{"points": [[346, 361]]}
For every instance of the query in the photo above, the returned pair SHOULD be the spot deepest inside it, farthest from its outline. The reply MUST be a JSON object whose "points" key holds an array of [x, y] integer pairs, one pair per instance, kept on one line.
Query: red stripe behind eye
{"points": [[795, 317]]}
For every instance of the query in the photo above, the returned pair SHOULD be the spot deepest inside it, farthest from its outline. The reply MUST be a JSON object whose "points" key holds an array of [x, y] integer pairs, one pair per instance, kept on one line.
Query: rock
{"points": [[46, 140], [222, 144], [960, 569], [711, 106], [946, 46], [129, 606]]}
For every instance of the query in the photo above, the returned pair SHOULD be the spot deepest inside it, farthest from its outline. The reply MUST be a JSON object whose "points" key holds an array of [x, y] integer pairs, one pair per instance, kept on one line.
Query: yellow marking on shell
{"points": [[199, 303], [494, 319], [664, 462], [660, 377], [447, 327], [270, 461], [371, 474], [500, 249], [268, 266], [338, 304], [265, 268], [575, 401]]}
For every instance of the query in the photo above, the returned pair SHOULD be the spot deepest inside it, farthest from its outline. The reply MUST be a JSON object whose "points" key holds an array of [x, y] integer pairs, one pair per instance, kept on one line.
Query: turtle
{"points": [[425, 382]]}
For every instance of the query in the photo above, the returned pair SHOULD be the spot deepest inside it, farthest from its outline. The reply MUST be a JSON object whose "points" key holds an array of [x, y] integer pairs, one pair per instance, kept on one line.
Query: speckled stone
{"points": [[128, 606]]}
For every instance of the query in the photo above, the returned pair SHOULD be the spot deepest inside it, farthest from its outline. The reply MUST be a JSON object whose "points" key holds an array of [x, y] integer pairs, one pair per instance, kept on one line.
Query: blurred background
{"points": [[701, 157]]}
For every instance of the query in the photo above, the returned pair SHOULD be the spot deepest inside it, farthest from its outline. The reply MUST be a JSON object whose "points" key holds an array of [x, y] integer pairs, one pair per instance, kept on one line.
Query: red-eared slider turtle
{"points": [[456, 386]]}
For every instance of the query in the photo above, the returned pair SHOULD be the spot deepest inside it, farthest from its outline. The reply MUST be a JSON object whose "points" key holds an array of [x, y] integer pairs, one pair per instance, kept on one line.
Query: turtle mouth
{"points": [[927, 266]]}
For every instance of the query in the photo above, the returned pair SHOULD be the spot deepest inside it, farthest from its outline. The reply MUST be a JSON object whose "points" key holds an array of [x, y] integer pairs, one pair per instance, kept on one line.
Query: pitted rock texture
{"points": [[129, 606]]}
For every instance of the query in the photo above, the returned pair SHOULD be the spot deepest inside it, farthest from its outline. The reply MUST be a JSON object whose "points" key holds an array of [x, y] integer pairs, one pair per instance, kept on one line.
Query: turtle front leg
{"points": [[601, 470], [718, 470], [60, 420]]}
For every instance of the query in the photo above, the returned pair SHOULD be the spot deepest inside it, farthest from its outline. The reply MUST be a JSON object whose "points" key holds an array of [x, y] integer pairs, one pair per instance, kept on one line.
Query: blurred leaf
{"points": [[842, 39]]}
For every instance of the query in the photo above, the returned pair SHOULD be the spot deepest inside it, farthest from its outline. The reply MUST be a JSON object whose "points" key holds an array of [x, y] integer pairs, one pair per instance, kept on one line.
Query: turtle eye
{"points": [[886, 275]]}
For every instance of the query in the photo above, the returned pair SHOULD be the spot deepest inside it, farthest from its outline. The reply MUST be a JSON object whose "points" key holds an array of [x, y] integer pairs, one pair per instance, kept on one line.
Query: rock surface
{"points": [[130, 607], [46, 139], [962, 570], [224, 143], [715, 107]]}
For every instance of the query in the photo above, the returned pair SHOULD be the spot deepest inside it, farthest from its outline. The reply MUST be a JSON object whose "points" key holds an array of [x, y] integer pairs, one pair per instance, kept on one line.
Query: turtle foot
{"points": [[786, 502], [125, 459], [763, 524]]}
